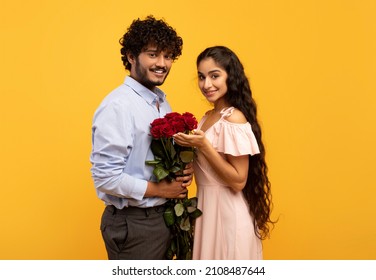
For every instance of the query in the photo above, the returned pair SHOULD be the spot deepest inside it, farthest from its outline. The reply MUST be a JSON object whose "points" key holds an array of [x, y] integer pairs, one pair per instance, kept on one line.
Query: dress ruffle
{"points": [[234, 138]]}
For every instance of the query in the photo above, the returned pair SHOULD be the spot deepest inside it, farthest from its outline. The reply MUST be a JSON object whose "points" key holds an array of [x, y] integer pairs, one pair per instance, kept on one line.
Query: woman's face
{"points": [[212, 80]]}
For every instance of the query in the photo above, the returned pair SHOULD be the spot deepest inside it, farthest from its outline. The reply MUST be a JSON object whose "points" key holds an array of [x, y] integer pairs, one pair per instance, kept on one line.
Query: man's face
{"points": [[151, 67]]}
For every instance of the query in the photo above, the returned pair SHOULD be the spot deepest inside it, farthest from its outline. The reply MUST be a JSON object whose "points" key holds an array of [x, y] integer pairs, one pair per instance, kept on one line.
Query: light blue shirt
{"points": [[121, 144]]}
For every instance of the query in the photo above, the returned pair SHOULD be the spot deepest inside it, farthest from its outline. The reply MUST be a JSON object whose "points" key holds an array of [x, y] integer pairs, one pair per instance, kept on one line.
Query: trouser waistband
{"points": [[131, 210]]}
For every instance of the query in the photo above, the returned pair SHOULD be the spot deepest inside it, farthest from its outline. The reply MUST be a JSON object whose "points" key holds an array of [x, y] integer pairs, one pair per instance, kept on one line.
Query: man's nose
{"points": [[161, 61]]}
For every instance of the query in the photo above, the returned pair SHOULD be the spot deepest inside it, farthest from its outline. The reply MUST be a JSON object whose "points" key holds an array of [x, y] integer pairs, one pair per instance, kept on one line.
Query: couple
{"points": [[230, 169]]}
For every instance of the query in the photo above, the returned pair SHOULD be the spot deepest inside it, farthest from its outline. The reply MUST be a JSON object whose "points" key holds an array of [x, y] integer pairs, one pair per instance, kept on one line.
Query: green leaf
{"points": [[152, 162], [170, 148], [158, 149], [169, 217], [191, 209], [173, 246], [171, 250], [175, 169], [187, 202], [186, 156], [179, 209], [160, 172], [169, 254], [185, 224], [188, 255], [193, 201], [195, 214]]}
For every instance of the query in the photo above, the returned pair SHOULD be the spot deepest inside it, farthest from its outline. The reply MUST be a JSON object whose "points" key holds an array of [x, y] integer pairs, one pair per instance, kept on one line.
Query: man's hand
{"points": [[187, 176], [166, 189]]}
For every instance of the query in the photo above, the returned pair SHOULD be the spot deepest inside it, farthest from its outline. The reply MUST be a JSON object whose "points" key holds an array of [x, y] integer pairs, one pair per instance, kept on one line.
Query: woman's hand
{"points": [[197, 139]]}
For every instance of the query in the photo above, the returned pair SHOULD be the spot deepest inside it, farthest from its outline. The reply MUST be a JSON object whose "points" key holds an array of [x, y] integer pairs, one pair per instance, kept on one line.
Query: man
{"points": [[132, 223]]}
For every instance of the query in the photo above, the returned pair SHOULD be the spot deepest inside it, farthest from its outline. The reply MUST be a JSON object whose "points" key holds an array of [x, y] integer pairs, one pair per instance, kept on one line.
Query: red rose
{"points": [[156, 125], [167, 130], [178, 124], [190, 121], [176, 120], [155, 132], [172, 123], [172, 115]]}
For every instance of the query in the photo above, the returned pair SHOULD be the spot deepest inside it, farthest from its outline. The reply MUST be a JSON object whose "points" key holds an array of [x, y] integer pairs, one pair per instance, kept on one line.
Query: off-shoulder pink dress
{"points": [[225, 230]]}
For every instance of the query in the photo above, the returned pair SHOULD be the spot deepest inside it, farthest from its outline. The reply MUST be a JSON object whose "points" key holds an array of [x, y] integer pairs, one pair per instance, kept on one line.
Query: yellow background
{"points": [[312, 67]]}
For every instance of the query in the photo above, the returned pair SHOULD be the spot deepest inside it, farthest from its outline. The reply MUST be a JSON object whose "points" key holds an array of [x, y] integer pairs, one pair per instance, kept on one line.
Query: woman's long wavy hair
{"points": [[257, 190]]}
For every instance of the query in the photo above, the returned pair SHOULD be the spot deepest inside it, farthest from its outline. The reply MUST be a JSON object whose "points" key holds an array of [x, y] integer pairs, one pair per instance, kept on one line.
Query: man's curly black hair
{"points": [[142, 33]]}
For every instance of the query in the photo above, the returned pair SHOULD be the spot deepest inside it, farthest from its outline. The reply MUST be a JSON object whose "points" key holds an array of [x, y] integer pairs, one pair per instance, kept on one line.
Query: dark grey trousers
{"points": [[135, 233]]}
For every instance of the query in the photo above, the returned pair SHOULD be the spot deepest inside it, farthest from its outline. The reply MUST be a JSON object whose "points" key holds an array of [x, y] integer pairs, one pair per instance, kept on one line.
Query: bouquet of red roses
{"points": [[169, 161], [170, 158]]}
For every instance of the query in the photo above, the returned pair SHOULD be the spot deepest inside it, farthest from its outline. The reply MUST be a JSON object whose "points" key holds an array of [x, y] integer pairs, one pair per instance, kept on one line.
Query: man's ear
{"points": [[130, 58]]}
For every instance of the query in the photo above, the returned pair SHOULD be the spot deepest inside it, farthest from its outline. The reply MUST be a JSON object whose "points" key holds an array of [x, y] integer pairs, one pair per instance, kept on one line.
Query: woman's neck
{"points": [[218, 107]]}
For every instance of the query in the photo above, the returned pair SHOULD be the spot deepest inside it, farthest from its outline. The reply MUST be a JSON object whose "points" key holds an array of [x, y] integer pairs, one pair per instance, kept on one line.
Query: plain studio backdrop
{"points": [[311, 65]]}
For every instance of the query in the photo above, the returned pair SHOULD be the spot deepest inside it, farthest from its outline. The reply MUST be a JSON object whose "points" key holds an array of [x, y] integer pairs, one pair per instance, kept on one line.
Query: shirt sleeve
{"points": [[112, 143]]}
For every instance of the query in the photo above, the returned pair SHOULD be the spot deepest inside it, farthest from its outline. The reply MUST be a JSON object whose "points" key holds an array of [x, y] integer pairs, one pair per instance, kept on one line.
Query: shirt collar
{"points": [[145, 93]]}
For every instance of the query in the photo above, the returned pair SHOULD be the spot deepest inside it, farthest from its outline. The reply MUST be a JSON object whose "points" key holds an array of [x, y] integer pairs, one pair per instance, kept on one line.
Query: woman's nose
{"points": [[207, 83]]}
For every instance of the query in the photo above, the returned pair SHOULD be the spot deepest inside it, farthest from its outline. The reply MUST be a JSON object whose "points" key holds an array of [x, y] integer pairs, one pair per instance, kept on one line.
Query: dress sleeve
{"points": [[235, 139]]}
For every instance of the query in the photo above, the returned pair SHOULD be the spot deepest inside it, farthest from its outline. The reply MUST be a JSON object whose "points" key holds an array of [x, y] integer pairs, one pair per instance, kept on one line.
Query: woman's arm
{"points": [[233, 170]]}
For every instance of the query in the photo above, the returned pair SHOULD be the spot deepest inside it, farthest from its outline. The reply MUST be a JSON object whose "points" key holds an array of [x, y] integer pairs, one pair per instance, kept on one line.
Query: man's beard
{"points": [[142, 74]]}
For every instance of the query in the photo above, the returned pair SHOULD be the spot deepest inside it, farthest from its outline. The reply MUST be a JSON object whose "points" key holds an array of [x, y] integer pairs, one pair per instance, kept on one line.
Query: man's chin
{"points": [[153, 81], [158, 82], [150, 84]]}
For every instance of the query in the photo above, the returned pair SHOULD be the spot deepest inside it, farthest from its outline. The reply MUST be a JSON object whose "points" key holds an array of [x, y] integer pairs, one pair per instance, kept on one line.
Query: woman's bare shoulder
{"points": [[236, 117]]}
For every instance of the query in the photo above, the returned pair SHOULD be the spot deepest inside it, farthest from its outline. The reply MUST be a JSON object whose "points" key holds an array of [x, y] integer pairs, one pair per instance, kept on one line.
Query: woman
{"points": [[230, 169]]}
